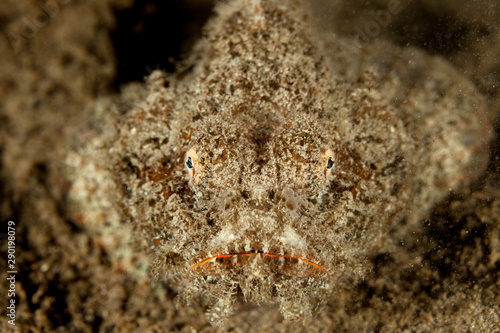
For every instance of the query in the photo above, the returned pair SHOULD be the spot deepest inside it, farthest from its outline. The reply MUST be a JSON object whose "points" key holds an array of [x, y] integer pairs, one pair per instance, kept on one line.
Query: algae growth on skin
{"points": [[276, 160]]}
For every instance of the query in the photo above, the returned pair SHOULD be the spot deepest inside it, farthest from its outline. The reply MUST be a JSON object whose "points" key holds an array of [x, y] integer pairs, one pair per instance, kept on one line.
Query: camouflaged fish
{"points": [[276, 160]]}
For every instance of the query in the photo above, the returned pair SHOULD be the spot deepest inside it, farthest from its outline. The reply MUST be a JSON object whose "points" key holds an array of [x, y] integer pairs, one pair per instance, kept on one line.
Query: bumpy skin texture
{"points": [[273, 165]]}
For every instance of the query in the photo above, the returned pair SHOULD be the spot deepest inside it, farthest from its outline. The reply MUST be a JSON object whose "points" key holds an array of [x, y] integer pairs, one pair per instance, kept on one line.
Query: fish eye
{"points": [[193, 166], [329, 159], [330, 163], [191, 159], [189, 162]]}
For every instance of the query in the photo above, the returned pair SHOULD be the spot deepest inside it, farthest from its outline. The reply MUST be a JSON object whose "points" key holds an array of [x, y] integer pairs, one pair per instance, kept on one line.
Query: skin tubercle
{"points": [[263, 172]]}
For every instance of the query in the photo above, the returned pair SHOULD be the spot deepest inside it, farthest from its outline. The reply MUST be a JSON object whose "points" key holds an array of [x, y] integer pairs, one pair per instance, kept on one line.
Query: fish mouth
{"points": [[234, 259]]}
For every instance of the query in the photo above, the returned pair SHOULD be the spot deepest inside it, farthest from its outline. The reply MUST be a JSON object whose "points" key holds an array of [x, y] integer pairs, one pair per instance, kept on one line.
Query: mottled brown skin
{"points": [[268, 169]]}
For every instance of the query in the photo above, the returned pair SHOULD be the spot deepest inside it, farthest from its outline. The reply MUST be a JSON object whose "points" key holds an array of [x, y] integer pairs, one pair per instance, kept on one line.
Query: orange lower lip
{"points": [[247, 254]]}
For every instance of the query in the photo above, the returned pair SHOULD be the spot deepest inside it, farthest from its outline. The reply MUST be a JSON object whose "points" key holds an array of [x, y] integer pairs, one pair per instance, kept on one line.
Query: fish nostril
{"points": [[271, 194], [245, 194]]}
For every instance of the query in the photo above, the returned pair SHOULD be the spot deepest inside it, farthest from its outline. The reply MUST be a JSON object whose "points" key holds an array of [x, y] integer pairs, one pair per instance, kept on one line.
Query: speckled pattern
{"points": [[223, 168], [87, 262]]}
